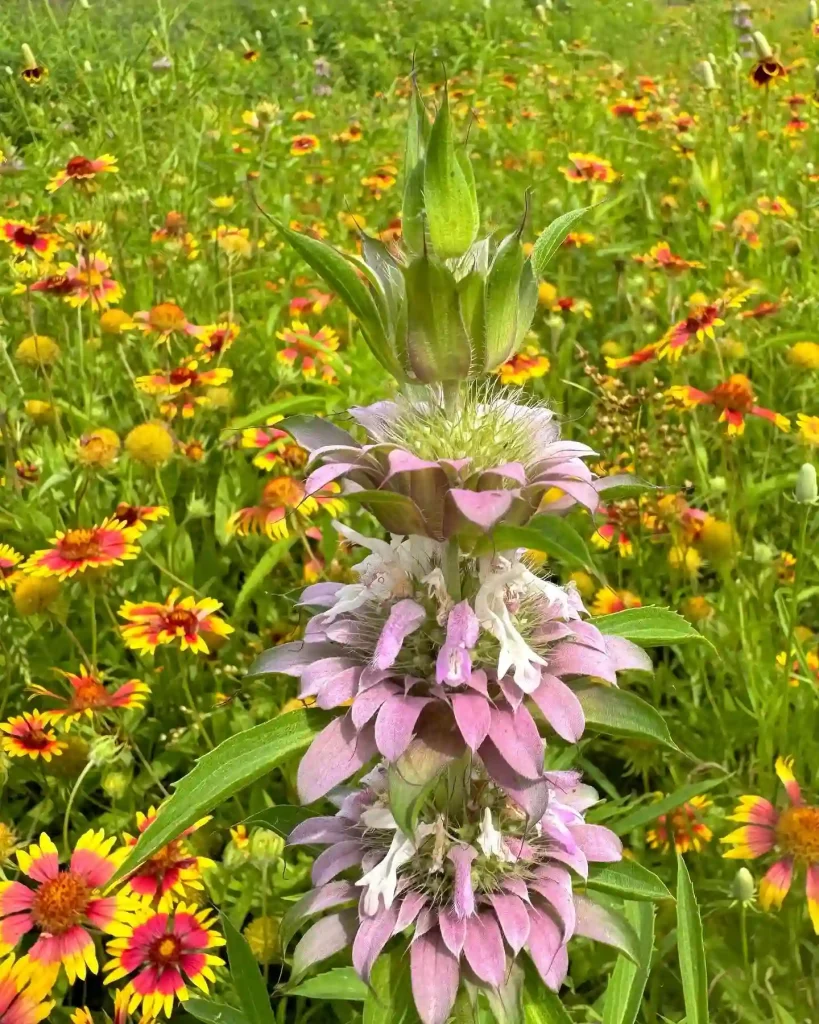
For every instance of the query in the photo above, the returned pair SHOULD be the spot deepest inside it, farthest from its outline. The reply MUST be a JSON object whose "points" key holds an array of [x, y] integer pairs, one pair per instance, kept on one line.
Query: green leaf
{"points": [[261, 570], [630, 880], [247, 978], [411, 778], [336, 270], [609, 709], [551, 239], [292, 405], [338, 983], [649, 812], [501, 300], [438, 346], [624, 993], [546, 533], [540, 1004], [214, 1013], [649, 627], [397, 513], [691, 949], [449, 199], [623, 485], [390, 999], [220, 773]]}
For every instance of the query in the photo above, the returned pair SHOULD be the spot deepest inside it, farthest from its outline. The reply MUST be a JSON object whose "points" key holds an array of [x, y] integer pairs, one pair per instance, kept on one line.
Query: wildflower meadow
{"points": [[409, 607]]}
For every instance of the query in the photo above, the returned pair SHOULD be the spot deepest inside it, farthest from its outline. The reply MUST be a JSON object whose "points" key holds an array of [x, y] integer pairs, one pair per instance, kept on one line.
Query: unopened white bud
{"points": [[813, 11], [762, 46], [707, 75]]}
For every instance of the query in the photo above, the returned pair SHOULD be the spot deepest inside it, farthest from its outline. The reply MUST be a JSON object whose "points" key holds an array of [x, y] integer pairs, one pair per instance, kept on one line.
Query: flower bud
{"points": [[792, 245], [762, 46], [707, 73], [743, 887], [28, 56], [116, 784], [813, 11], [103, 751], [450, 200], [540, 11], [266, 847], [806, 489]]}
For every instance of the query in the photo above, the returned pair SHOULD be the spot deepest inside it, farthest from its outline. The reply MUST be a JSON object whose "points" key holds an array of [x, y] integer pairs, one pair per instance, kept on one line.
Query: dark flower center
{"points": [[79, 544], [22, 236], [165, 950], [79, 167], [179, 618]]}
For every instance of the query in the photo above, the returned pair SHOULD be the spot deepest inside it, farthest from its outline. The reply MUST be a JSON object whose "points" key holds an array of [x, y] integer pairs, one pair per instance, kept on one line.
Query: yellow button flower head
{"points": [[150, 444], [98, 448], [37, 350], [35, 594]]}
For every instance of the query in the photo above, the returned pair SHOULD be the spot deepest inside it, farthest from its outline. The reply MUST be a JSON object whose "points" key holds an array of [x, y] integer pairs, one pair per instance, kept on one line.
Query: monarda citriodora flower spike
{"points": [[447, 306], [443, 472], [424, 672], [479, 882]]}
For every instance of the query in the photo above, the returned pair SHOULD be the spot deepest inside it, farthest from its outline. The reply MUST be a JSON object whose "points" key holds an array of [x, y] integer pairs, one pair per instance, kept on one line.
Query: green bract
{"points": [[446, 307]]}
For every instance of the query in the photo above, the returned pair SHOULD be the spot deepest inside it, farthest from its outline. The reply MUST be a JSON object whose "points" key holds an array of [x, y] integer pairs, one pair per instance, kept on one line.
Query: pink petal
{"points": [[560, 707], [598, 843], [472, 716], [404, 618], [463, 899], [513, 918], [483, 508], [371, 937], [453, 931], [483, 948], [435, 977], [326, 937], [515, 735], [335, 754], [335, 859], [395, 724], [547, 948]]}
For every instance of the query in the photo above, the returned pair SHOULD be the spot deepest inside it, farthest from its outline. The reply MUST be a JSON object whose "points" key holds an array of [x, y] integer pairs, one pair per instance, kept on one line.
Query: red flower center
{"points": [[169, 857], [60, 903], [89, 694], [22, 236], [734, 393], [78, 545], [128, 514], [165, 950], [80, 167], [35, 738], [180, 618], [283, 490], [183, 375]]}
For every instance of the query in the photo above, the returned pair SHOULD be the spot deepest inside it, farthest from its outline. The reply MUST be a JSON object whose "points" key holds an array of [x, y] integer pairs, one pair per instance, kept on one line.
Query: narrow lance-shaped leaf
{"points": [[691, 949], [339, 274], [449, 200], [624, 994], [338, 983], [220, 773], [552, 238], [648, 812], [247, 979], [527, 303], [214, 1013], [630, 880], [501, 302]]}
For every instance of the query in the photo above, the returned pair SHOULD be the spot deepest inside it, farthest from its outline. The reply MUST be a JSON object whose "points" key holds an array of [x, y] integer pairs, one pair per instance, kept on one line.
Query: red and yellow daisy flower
{"points": [[186, 375], [792, 833], [278, 446], [23, 992], [83, 171], [164, 321], [30, 735], [74, 551], [795, 126], [90, 280], [623, 109], [172, 872], [608, 600], [744, 227], [527, 364], [53, 284], [682, 828], [308, 352], [734, 398], [759, 312], [660, 257], [89, 696], [63, 904], [588, 167], [314, 301], [150, 624], [165, 950], [232, 240], [138, 515], [577, 239], [621, 519], [776, 207], [281, 497], [767, 71], [301, 145], [216, 339], [9, 560], [25, 239]]}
